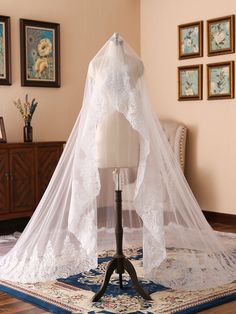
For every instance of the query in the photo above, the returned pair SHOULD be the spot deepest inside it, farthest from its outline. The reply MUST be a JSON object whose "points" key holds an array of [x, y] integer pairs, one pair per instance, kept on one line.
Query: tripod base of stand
{"points": [[120, 263]]}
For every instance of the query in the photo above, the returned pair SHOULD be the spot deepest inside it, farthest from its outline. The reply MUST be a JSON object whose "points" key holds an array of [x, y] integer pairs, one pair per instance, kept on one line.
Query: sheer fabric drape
{"points": [[75, 215]]}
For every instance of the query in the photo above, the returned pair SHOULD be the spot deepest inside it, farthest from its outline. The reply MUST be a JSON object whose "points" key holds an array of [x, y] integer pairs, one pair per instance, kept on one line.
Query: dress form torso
{"points": [[116, 141]]}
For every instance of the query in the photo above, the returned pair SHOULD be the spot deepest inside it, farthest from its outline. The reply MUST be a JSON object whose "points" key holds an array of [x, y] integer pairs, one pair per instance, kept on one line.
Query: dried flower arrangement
{"points": [[26, 108]]}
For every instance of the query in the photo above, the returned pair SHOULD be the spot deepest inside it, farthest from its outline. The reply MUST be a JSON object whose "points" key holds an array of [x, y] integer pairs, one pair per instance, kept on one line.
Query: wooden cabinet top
{"points": [[32, 144]]}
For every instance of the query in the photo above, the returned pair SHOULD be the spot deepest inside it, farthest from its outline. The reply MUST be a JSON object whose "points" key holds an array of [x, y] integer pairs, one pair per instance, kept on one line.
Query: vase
{"points": [[28, 132]]}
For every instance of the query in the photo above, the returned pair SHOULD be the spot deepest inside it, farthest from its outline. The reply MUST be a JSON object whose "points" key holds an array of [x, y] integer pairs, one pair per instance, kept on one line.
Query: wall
{"points": [[211, 145], [85, 26]]}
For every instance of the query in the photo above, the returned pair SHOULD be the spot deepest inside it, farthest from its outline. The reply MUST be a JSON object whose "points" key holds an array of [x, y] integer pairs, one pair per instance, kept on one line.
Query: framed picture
{"points": [[190, 82], [221, 35], [5, 50], [190, 40], [3, 138], [220, 80], [40, 53]]}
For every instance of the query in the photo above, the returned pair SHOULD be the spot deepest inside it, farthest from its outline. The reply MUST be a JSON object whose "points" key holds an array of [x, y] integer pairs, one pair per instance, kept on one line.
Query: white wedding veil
{"points": [[75, 216]]}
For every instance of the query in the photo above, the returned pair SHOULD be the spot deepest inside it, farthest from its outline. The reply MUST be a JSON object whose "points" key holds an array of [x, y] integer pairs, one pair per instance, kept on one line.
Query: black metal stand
{"points": [[119, 262]]}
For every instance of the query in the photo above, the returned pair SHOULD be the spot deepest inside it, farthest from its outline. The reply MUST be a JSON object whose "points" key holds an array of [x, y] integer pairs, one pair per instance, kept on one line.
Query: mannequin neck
{"points": [[116, 39], [116, 45]]}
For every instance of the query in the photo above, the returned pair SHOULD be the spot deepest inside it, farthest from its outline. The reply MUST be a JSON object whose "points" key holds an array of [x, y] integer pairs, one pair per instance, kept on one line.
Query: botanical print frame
{"points": [[3, 138], [40, 53], [221, 35], [5, 50], [220, 80], [190, 82], [190, 40]]}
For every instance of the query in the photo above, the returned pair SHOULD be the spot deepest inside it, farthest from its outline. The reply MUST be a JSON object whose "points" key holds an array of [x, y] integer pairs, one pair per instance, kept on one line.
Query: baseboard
{"points": [[223, 218], [10, 226]]}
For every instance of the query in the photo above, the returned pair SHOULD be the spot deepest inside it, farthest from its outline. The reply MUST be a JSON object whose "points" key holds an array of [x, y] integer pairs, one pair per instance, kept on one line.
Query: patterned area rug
{"points": [[73, 294]]}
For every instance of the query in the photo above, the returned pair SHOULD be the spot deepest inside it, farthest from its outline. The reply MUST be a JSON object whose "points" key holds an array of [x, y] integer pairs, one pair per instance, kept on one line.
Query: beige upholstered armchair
{"points": [[176, 134]]}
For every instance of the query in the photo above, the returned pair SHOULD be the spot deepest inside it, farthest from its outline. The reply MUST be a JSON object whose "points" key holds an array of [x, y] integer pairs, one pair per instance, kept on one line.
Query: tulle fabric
{"points": [[74, 219]]}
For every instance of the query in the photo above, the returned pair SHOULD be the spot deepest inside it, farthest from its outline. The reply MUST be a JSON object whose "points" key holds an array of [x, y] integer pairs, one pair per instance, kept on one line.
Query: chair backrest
{"points": [[176, 134]]}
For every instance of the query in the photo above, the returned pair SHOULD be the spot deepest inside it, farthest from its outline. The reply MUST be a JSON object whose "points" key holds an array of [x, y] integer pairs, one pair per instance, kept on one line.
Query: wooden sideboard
{"points": [[25, 171]]}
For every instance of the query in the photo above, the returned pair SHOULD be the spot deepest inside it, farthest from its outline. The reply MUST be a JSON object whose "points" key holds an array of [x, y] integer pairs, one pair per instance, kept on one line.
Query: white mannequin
{"points": [[117, 142]]}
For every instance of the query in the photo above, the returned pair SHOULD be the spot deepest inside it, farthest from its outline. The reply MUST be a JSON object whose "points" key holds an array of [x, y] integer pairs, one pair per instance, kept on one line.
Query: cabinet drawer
{"points": [[4, 182], [22, 179], [25, 171]]}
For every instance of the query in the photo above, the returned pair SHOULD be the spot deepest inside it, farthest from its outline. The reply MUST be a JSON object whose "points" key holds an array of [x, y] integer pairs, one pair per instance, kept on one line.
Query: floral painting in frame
{"points": [[190, 82], [190, 40], [220, 35], [5, 51], [40, 53], [220, 80]]}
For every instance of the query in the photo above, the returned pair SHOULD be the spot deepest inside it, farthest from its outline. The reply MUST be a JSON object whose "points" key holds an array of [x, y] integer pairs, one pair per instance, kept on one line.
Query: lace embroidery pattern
{"points": [[161, 192], [72, 260]]}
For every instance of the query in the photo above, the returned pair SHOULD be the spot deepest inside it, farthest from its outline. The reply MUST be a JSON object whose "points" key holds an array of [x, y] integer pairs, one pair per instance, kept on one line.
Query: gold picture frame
{"points": [[220, 80], [190, 82], [190, 39], [221, 35]]}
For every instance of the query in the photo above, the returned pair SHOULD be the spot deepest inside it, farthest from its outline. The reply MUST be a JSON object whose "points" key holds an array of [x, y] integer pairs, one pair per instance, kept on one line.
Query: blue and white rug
{"points": [[74, 294]]}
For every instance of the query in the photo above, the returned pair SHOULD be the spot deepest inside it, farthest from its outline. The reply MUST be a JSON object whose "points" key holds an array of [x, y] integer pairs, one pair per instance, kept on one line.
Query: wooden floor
{"points": [[10, 305]]}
